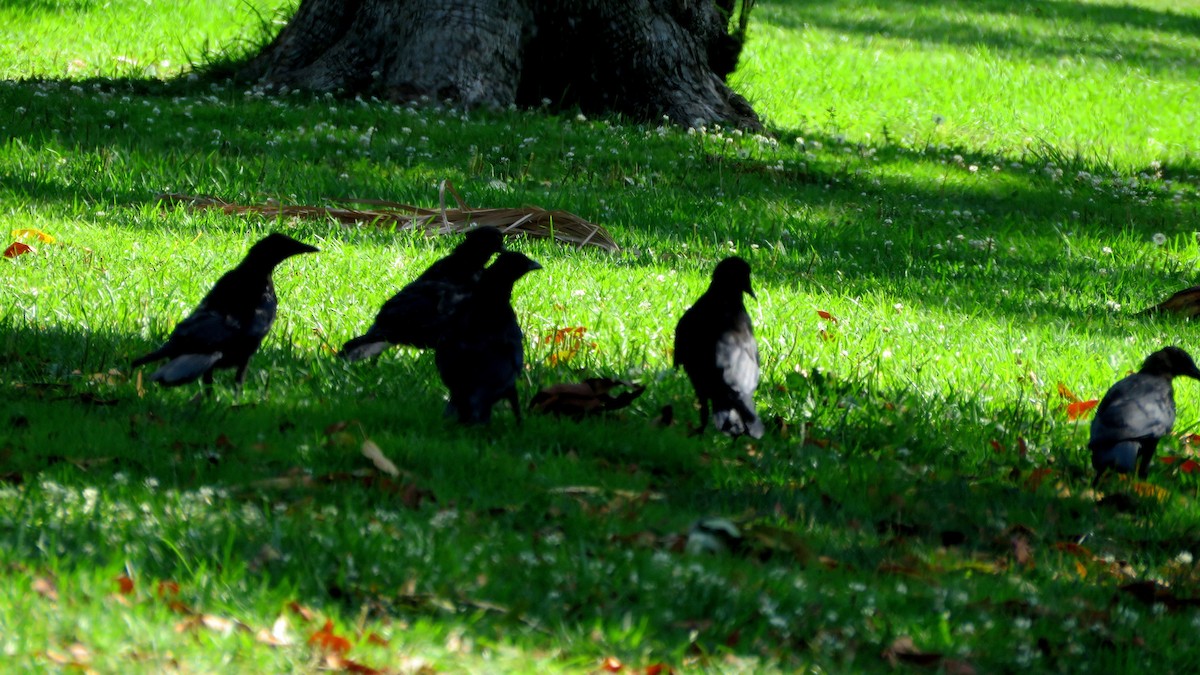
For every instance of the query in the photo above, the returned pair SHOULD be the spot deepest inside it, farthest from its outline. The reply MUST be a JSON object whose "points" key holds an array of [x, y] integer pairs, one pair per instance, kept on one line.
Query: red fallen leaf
{"points": [[1168, 459], [124, 585], [326, 640], [166, 588], [612, 664], [996, 445], [1190, 466], [1036, 477], [659, 669], [1192, 439], [1074, 549], [17, 248], [1080, 408], [1067, 393], [826, 315]]}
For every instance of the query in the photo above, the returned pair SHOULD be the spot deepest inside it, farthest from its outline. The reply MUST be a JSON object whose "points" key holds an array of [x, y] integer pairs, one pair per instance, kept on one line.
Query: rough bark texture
{"points": [[640, 58]]}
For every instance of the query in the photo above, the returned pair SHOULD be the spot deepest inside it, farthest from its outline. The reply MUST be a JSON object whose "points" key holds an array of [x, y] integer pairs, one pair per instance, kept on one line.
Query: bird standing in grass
{"points": [[1136, 412], [417, 314], [481, 351], [714, 342], [231, 321]]}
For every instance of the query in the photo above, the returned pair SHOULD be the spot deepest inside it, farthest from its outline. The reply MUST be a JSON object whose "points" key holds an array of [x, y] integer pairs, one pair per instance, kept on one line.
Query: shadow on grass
{"points": [[968, 23], [477, 532]]}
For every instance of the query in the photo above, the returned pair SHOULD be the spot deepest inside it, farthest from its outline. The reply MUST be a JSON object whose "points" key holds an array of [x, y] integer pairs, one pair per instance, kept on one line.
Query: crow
{"points": [[416, 315], [714, 342], [481, 352], [1136, 412], [231, 321]]}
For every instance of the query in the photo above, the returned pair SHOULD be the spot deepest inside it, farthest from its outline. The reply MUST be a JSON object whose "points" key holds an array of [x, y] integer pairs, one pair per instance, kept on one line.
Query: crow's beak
{"points": [[534, 265]]}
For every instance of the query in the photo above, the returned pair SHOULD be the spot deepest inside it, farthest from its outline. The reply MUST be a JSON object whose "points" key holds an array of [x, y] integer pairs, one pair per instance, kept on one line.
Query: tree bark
{"points": [[644, 59]]}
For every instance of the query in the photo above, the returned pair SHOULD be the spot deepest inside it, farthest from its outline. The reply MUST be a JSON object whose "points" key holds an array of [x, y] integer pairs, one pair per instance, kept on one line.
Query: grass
{"points": [[920, 477]]}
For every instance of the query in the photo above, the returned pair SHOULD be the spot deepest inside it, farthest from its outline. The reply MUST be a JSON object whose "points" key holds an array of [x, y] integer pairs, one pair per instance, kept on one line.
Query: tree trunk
{"points": [[640, 58]]}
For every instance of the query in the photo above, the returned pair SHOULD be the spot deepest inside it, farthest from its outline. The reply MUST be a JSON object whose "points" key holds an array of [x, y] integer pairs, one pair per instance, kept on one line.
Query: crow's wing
{"points": [[1137, 407]]}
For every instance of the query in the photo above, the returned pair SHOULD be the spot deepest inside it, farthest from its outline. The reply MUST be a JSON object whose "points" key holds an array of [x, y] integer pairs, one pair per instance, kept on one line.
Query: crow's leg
{"points": [[1145, 456], [515, 402], [703, 418]]}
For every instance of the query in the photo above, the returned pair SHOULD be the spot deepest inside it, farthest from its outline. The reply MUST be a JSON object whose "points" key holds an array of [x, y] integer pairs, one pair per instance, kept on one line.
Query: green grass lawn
{"points": [[980, 196]]}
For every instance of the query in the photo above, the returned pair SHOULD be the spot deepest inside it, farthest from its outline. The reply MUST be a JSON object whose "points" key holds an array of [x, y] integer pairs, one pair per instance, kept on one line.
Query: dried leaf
{"points": [[17, 248], [902, 650], [32, 233], [1080, 408], [593, 395], [1022, 551], [45, 587], [167, 588], [372, 452], [826, 315], [337, 662], [301, 611], [280, 634], [659, 669], [1190, 466], [612, 665], [530, 221], [996, 445], [1150, 490], [1067, 394]]}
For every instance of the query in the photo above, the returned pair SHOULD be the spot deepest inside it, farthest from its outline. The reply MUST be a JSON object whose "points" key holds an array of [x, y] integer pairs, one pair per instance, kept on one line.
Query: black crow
{"points": [[481, 352], [417, 314], [1136, 412], [714, 342], [231, 321]]}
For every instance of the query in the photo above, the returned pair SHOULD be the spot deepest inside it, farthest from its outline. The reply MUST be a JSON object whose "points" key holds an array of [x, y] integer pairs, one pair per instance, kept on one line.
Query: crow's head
{"points": [[277, 247], [1171, 361], [481, 242], [733, 274]]}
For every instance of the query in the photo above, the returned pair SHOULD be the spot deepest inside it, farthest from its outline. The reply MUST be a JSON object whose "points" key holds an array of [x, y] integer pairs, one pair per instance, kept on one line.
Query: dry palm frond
{"points": [[533, 221], [1184, 303]]}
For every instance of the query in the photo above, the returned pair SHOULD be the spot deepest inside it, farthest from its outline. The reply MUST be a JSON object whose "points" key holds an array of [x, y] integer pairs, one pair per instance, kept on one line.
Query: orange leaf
{"points": [[1081, 569], [612, 664], [124, 584], [1066, 393], [1192, 439], [17, 248], [1190, 466], [826, 315], [303, 612], [166, 588], [659, 669], [374, 639], [325, 639], [1080, 408]]}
